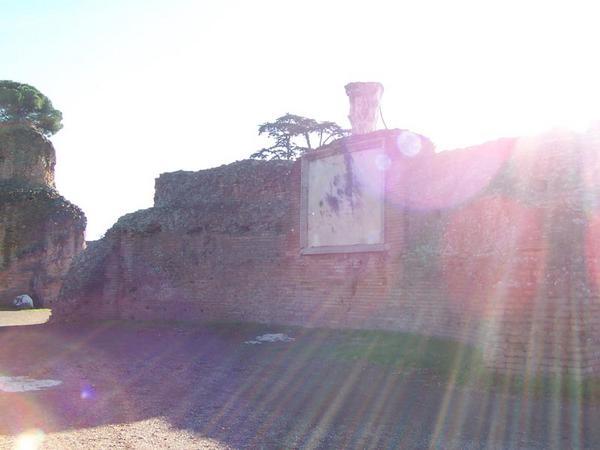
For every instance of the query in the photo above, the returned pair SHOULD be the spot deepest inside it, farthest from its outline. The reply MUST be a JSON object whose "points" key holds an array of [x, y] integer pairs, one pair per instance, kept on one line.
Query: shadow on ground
{"points": [[205, 382]]}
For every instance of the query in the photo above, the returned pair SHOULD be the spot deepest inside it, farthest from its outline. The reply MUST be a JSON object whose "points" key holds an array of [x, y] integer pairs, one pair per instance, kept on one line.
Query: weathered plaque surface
{"points": [[343, 201]]}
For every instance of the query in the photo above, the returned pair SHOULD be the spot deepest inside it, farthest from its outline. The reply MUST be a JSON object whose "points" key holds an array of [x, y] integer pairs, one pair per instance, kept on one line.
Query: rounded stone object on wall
{"points": [[23, 301]]}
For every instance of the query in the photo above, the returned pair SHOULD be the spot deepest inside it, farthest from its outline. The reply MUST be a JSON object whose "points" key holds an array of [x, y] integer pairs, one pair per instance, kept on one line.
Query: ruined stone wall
{"points": [[26, 156], [494, 245], [40, 231]]}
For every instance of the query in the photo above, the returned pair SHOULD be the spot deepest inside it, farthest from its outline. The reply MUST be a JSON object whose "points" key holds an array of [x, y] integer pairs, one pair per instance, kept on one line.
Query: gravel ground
{"points": [[153, 386]]}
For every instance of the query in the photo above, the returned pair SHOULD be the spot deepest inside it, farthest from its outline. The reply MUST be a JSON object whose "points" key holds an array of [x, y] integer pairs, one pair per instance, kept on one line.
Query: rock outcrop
{"points": [[40, 231]]}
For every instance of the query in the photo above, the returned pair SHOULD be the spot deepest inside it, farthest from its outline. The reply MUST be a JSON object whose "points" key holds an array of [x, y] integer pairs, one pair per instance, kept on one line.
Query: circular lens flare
{"points": [[382, 162], [30, 440], [88, 392], [409, 144]]}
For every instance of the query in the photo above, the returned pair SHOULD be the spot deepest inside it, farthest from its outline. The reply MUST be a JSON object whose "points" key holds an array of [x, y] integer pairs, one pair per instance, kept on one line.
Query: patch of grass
{"points": [[442, 357], [453, 363], [571, 387], [443, 361]]}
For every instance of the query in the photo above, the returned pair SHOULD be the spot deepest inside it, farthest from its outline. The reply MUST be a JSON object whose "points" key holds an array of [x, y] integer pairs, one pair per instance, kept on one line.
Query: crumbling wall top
{"points": [[251, 181], [26, 156]]}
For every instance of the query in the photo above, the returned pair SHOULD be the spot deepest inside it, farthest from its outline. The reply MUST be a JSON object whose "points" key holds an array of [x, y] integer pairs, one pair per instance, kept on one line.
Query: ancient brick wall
{"points": [[494, 245], [26, 156], [40, 231]]}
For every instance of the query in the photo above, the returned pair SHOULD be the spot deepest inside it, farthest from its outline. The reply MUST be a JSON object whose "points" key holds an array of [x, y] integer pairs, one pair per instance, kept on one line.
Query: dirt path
{"points": [[127, 386]]}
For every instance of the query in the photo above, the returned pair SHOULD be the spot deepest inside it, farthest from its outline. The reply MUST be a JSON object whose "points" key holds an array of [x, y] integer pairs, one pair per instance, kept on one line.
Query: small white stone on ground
{"points": [[23, 301], [274, 337]]}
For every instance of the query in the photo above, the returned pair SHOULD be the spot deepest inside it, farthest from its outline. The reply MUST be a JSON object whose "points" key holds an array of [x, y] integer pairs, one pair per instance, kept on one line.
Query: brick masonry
{"points": [[40, 231], [496, 245]]}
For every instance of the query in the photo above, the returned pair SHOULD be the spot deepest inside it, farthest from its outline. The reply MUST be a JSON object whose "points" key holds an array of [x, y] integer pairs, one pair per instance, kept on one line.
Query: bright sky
{"points": [[151, 86]]}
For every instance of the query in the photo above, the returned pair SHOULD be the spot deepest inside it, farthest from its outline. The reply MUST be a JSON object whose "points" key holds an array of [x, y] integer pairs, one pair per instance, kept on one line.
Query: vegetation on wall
{"points": [[22, 103], [295, 135]]}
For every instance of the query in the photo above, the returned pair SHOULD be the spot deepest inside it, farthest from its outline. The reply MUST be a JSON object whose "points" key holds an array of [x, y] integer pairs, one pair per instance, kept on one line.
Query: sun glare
{"points": [[30, 440]]}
